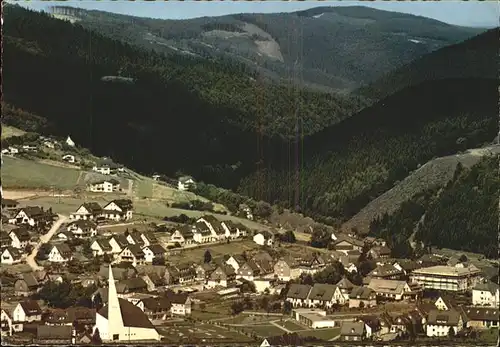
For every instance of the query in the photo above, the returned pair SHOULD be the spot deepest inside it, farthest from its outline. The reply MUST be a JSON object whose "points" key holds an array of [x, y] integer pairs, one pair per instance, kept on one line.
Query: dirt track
{"points": [[23, 194]]}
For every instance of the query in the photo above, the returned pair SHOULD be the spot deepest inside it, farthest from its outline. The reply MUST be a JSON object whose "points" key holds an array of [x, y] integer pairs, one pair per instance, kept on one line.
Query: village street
{"points": [[30, 259]]}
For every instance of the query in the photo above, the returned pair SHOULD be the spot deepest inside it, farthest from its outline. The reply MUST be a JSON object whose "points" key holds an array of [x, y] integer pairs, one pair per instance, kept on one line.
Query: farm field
{"points": [[22, 173], [8, 131], [217, 250]]}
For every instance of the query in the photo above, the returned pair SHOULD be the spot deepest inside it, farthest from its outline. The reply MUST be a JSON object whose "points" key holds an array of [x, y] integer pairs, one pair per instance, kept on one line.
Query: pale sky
{"points": [[467, 13]]}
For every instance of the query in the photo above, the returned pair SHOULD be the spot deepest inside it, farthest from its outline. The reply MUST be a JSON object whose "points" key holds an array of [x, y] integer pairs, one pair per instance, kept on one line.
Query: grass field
{"points": [[323, 334], [291, 325], [218, 250], [22, 173], [202, 331], [8, 131], [264, 330]]}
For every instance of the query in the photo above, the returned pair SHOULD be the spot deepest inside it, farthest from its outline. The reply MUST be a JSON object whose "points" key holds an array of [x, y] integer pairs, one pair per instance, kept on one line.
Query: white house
{"points": [[324, 295], [69, 158], [118, 243], [183, 235], [389, 289], [101, 247], [185, 183], [87, 211], [82, 229], [60, 253], [11, 255], [6, 320], [202, 234], [105, 186], [27, 311], [118, 210], [153, 251], [297, 294], [49, 144], [70, 142], [485, 294], [440, 322], [264, 238], [20, 238], [30, 215]]}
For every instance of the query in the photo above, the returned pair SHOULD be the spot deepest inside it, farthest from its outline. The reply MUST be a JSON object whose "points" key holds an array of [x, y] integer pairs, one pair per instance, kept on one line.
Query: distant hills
{"points": [[331, 48]]}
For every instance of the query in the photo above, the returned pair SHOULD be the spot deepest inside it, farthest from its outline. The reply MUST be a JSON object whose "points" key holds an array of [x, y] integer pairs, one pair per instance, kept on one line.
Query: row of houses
{"points": [[116, 210]]}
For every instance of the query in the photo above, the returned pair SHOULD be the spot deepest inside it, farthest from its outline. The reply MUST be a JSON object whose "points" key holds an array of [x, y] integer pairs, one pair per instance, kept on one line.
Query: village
{"points": [[96, 272]]}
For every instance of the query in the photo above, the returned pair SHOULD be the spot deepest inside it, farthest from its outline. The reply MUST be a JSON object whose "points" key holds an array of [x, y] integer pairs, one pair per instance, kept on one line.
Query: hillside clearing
{"points": [[8, 131], [435, 173]]}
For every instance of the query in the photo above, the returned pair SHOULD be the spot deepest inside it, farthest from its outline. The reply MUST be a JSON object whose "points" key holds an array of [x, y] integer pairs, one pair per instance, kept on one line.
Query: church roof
{"points": [[133, 316]]}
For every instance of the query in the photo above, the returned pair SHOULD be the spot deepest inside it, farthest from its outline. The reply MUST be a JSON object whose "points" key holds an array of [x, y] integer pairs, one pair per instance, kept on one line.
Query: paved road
{"points": [[30, 259]]}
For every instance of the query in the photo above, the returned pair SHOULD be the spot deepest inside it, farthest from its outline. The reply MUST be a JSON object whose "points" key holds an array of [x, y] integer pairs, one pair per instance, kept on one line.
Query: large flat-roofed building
{"points": [[447, 277], [314, 318]]}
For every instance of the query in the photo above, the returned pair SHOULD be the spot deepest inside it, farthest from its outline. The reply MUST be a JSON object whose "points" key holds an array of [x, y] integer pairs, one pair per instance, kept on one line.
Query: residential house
{"points": [[183, 235], [129, 286], [386, 272], [132, 254], [373, 327], [287, 269], [118, 243], [406, 266], [485, 294], [79, 315], [83, 229], [204, 271], [100, 247], [214, 225], [362, 297], [118, 210], [55, 335], [186, 183], [264, 238], [481, 317], [297, 294], [313, 318], [311, 263], [352, 331], [180, 273], [236, 261], [324, 295], [65, 235], [445, 303], [107, 167], [345, 287], [134, 238], [181, 303], [345, 243], [9, 203], [202, 233], [88, 211], [223, 276], [155, 307], [148, 238], [11, 255], [120, 271], [27, 311], [389, 289], [349, 263], [447, 278], [249, 270], [104, 186], [69, 158], [6, 322], [439, 322], [263, 284], [60, 253], [153, 252], [380, 252], [232, 230], [33, 216], [20, 237], [27, 285]]}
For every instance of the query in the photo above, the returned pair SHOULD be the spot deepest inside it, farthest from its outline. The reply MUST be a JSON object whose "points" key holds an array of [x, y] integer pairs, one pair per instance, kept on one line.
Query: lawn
{"points": [[264, 330], [248, 320], [291, 325], [143, 188], [22, 173], [217, 250], [202, 331], [8, 131], [323, 334], [488, 336]]}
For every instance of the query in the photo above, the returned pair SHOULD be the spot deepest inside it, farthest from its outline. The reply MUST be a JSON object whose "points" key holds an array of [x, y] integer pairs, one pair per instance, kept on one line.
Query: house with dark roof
{"points": [[33, 216], [27, 311], [439, 322], [27, 285], [55, 335], [352, 331], [345, 243], [88, 211], [20, 237], [130, 286], [118, 243], [214, 225], [236, 261], [297, 294], [154, 251], [6, 322], [203, 271], [134, 238], [119, 210], [249, 270], [324, 295], [180, 273], [380, 252], [185, 183], [104, 186], [202, 233], [131, 254], [148, 238], [386, 272], [481, 317], [120, 271], [345, 287], [83, 229], [183, 235], [232, 231], [181, 303], [60, 253], [9, 203], [100, 247], [106, 166], [155, 307], [362, 297], [407, 266], [11, 255], [287, 269], [223, 276]]}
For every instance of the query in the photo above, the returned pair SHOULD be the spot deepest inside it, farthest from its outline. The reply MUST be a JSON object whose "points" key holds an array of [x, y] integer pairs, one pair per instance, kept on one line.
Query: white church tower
{"points": [[115, 319], [70, 142]]}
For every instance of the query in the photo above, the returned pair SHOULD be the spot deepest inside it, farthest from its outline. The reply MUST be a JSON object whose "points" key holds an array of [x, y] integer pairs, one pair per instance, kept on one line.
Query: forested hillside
{"points": [[344, 167], [206, 118], [334, 47], [461, 216]]}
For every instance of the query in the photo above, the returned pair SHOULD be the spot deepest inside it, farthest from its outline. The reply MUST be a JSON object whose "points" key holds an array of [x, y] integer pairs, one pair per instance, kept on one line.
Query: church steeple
{"points": [[115, 319]]}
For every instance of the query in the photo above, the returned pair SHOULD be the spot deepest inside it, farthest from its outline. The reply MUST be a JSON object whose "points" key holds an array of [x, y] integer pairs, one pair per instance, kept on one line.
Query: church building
{"points": [[120, 320]]}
